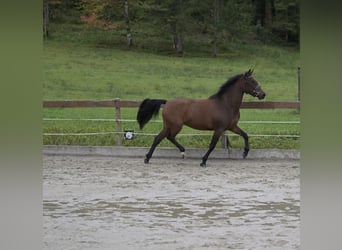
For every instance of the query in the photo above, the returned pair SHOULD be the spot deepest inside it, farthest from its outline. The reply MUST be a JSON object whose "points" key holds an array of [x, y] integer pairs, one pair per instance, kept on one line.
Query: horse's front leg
{"points": [[246, 150], [212, 145], [244, 135]]}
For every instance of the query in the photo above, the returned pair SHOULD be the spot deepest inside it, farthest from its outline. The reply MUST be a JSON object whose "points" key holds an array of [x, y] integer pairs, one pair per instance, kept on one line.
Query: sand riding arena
{"points": [[94, 201]]}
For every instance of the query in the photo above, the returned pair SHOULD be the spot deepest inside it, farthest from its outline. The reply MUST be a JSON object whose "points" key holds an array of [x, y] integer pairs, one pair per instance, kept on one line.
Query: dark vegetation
{"points": [[189, 27]]}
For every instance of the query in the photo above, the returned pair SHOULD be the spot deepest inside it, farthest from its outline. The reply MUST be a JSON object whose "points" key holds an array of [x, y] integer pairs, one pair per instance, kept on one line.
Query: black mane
{"points": [[224, 87]]}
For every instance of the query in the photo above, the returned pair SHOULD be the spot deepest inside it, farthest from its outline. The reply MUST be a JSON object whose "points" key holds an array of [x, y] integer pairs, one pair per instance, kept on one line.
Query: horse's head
{"points": [[251, 86]]}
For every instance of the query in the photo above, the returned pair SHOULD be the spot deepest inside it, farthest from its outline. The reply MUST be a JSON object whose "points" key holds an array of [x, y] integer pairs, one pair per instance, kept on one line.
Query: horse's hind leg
{"points": [[155, 143], [179, 146], [172, 138]]}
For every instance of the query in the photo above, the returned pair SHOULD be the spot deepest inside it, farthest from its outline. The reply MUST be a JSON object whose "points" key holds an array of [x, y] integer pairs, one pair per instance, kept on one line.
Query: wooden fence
{"points": [[118, 104]]}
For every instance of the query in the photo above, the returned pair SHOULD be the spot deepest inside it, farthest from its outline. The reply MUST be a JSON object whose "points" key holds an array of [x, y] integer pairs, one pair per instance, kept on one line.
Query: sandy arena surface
{"points": [[121, 203]]}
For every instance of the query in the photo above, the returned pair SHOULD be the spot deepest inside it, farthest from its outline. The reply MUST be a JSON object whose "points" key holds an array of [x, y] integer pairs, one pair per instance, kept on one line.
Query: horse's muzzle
{"points": [[261, 96]]}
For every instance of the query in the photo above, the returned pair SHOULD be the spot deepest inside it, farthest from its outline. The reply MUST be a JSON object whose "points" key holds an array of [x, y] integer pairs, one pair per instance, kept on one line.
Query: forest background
{"points": [[204, 26]]}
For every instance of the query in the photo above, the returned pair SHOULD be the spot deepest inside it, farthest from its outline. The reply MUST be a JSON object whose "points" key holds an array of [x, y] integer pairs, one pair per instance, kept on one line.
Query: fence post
{"points": [[224, 140], [298, 78], [118, 121]]}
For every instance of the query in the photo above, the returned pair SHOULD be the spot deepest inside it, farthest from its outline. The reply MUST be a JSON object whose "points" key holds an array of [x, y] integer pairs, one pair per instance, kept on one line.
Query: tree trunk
{"points": [[268, 15], [179, 44], [128, 27], [174, 35], [216, 20], [45, 18], [177, 39], [287, 21]]}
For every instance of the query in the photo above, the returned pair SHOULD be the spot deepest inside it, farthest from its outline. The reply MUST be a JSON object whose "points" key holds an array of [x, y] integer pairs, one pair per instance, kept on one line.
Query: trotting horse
{"points": [[219, 112]]}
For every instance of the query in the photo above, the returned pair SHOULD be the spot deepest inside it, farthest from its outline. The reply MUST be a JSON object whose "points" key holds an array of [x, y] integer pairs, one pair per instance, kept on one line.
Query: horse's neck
{"points": [[233, 98]]}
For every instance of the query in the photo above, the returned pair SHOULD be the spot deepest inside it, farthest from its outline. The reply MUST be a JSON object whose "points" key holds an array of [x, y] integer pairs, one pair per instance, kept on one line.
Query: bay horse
{"points": [[219, 112]]}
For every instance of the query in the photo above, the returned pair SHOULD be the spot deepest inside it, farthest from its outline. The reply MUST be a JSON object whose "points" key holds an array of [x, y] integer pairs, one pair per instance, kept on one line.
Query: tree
{"points": [[108, 14], [175, 17], [286, 21], [45, 18], [168, 18], [128, 27], [215, 28], [277, 19], [269, 13]]}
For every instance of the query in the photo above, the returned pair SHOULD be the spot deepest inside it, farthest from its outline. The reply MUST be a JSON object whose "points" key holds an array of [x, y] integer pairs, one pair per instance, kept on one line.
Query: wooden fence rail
{"points": [[118, 104]]}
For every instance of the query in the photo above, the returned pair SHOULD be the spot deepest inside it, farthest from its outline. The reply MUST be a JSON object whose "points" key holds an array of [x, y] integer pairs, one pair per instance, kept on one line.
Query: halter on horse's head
{"points": [[252, 87]]}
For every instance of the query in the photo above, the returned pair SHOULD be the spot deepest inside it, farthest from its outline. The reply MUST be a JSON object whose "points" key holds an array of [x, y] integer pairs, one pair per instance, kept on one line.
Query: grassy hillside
{"points": [[80, 72], [83, 71]]}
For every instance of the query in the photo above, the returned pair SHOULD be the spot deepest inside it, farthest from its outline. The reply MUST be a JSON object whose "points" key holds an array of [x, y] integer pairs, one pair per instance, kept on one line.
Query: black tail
{"points": [[147, 109]]}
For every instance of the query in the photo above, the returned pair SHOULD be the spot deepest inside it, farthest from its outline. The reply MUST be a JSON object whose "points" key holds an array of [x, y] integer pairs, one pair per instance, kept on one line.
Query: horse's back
{"points": [[174, 110], [183, 106]]}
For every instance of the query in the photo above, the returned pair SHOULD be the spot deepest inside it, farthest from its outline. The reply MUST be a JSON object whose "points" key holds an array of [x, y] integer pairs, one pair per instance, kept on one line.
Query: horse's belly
{"points": [[203, 117], [202, 123], [199, 126]]}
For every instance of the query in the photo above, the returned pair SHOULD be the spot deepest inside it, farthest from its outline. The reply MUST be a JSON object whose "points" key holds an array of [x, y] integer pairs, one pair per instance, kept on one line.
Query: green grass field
{"points": [[74, 71]]}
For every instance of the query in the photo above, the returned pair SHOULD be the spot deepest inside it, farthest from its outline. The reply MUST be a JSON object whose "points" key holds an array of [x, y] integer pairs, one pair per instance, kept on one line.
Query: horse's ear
{"points": [[248, 73]]}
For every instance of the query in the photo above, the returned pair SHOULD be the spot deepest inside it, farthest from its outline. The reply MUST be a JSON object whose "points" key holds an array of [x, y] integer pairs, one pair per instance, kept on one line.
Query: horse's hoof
{"points": [[203, 165], [245, 153], [146, 161], [183, 155]]}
